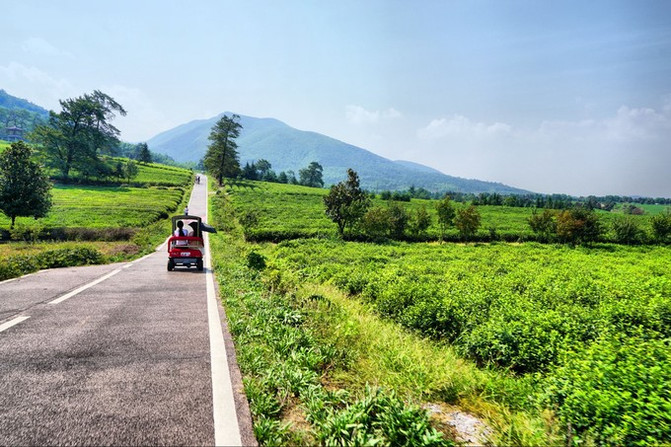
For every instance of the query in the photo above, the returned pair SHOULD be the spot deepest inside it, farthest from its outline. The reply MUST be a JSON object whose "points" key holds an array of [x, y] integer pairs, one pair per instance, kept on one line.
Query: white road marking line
{"points": [[84, 287], [10, 323], [226, 428]]}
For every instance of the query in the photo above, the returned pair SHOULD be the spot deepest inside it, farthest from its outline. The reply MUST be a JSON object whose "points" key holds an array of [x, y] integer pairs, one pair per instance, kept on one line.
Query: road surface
{"points": [[120, 354]]}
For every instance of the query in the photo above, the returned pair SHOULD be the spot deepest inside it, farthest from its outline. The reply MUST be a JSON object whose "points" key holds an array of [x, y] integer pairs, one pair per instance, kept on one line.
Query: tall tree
{"points": [[446, 214], [24, 188], [143, 153], [74, 137], [312, 175], [221, 159], [346, 202]]}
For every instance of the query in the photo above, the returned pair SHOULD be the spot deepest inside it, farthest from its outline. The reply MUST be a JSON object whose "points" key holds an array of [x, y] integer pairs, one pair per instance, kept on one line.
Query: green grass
{"points": [[133, 221], [275, 212], [542, 341], [105, 207]]}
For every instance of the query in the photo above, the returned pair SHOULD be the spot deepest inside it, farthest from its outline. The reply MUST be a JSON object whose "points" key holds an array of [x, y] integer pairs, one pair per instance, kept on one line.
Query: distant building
{"points": [[13, 134]]}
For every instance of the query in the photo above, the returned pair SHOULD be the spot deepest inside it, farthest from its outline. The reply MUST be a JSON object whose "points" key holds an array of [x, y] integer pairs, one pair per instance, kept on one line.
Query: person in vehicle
{"points": [[181, 231]]}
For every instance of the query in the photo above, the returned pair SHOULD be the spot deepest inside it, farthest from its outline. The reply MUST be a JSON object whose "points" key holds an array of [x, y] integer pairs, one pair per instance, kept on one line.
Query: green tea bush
{"points": [[615, 392], [18, 265]]}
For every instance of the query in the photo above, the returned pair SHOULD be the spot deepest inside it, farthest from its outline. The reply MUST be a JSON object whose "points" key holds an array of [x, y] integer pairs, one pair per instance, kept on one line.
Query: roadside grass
{"points": [[316, 362], [550, 344]]}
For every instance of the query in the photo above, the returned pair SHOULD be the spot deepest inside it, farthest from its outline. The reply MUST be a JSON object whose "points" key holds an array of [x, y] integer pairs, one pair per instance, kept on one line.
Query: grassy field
{"points": [[101, 223], [275, 212], [105, 207], [546, 343]]}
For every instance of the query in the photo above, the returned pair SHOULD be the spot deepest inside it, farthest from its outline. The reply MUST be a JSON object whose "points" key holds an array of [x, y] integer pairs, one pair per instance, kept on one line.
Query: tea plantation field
{"points": [[275, 212], [547, 343], [131, 219]]}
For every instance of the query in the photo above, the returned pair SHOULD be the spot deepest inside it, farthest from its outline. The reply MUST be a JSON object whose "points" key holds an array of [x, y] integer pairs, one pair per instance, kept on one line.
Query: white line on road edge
{"points": [[84, 287], [10, 323], [226, 428]]}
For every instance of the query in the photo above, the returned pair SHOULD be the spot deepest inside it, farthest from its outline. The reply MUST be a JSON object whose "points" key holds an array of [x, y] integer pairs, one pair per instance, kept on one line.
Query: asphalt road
{"points": [[119, 354]]}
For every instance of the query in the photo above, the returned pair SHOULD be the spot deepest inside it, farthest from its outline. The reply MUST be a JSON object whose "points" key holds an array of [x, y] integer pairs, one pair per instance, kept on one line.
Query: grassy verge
{"points": [[320, 367]]}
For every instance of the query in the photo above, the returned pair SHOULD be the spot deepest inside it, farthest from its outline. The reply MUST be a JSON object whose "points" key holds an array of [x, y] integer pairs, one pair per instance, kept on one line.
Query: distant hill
{"points": [[287, 148], [12, 102], [20, 113]]}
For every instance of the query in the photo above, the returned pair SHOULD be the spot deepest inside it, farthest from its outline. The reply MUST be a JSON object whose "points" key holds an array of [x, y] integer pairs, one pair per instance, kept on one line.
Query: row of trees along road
{"points": [[222, 159]]}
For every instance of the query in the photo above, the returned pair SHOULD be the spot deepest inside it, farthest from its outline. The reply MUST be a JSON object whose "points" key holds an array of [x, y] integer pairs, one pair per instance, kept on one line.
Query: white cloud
{"points": [[35, 84], [624, 153], [460, 126], [359, 116], [40, 47], [143, 119]]}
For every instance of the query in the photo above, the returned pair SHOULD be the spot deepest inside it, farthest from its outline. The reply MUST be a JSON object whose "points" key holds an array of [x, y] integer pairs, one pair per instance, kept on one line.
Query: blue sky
{"points": [[550, 96]]}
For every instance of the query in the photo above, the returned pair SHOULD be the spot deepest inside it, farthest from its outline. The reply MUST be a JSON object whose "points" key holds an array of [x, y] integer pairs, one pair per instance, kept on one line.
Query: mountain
{"points": [[18, 113], [12, 102], [287, 148]]}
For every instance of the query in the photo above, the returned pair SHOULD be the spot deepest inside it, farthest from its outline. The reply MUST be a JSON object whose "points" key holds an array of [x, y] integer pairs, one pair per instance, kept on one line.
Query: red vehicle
{"points": [[186, 247]]}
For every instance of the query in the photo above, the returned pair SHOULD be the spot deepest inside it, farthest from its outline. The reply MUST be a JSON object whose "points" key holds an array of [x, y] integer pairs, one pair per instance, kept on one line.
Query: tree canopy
{"points": [[221, 159], [74, 137], [312, 175], [24, 188], [346, 202]]}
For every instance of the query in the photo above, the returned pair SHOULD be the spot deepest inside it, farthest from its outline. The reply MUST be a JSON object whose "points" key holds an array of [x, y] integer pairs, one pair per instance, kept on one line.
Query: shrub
{"points": [[375, 222], [467, 221], [627, 231], [616, 392], [256, 261], [661, 226]]}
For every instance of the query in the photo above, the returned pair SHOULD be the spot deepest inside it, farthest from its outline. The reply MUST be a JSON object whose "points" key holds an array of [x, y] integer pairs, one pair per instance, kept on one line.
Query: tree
{"points": [[143, 153], [421, 221], [74, 137], [375, 222], [398, 220], [445, 215], [346, 202], [542, 224], [578, 225], [467, 221], [130, 170], [221, 159], [312, 175], [263, 167], [24, 188]]}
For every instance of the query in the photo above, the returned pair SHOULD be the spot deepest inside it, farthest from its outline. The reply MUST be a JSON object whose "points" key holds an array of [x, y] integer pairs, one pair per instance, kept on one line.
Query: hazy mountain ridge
{"points": [[287, 148], [12, 102]]}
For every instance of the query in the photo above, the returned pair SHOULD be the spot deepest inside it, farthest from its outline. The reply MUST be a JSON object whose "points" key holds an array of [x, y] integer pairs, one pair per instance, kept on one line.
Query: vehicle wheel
{"points": [[171, 265], [199, 265]]}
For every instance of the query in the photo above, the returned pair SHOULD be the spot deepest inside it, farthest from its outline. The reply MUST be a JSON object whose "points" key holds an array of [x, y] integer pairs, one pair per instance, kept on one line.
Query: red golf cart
{"points": [[187, 248]]}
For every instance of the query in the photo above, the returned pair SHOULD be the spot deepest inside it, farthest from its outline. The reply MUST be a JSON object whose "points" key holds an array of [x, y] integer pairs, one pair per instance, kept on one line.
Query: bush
{"points": [[256, 261], [616, 392], [627, 231]]}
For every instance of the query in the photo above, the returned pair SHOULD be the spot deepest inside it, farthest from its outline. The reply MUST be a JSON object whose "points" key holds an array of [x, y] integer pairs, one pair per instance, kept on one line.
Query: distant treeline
{"points": [[548, 201]]}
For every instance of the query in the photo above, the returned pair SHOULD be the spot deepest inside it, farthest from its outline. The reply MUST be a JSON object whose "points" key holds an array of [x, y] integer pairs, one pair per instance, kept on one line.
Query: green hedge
{"points": [[18, 265]]}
